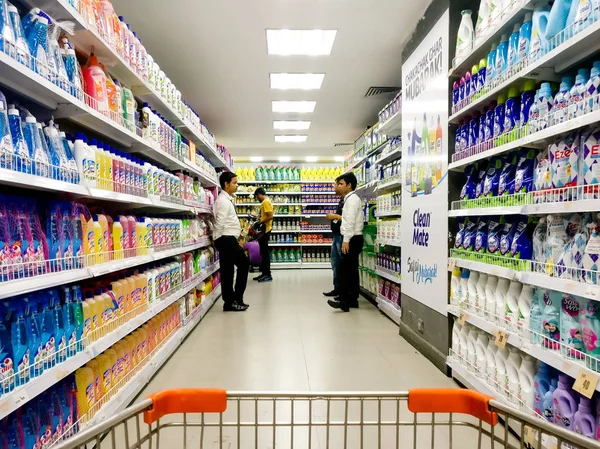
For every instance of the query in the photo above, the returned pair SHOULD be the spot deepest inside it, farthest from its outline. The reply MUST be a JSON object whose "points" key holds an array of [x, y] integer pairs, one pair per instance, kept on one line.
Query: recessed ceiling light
{"points": [[312, 158], [303, 81], [339, 158], [291, 124], [284, 159], [256, 159], [293, 139], [300, 42], [301, 107]]}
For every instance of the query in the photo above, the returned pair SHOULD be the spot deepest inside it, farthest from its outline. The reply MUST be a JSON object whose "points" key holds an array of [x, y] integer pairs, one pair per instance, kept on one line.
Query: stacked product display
{"points": [[301, 197], [92, 270], [524, 287]]}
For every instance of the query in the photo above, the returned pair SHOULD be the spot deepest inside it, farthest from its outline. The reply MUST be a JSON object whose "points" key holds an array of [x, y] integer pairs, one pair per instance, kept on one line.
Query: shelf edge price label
{"points": [[462, 318], [451, 264], [501, 339], [586, 384]]}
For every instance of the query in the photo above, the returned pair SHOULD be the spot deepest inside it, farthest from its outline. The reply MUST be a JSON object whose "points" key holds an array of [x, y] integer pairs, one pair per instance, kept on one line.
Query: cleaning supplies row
{"points": [[504, 237], [117, 34], [389, 262], [391, 108], [286, 225], [369, 281], [278, 199], [491, 13], [190, 302], [318, 210], [313, 256], [284, 255], [568, 247], [277, 210], [328, 199], [285, 238], [390, 170], [389, 291], [315, 239], [292, 173], [367, 260], [389, 202], [389, 230]]}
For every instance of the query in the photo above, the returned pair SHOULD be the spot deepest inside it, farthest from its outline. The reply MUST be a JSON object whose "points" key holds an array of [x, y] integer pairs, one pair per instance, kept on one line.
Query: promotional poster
{"points": [[425, 166]]}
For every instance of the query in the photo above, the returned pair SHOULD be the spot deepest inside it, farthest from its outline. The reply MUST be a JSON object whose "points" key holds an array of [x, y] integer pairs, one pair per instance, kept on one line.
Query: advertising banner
{"points": [[425, 166]]}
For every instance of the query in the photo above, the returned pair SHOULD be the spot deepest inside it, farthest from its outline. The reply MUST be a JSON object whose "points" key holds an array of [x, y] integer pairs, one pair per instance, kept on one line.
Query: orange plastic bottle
{"points": [[95, 85]]}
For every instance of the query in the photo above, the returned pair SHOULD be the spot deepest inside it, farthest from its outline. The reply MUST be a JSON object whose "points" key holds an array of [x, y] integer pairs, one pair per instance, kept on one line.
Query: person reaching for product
{"points": [[226, 232], [266, 218], [336, 246], [352, 244]]}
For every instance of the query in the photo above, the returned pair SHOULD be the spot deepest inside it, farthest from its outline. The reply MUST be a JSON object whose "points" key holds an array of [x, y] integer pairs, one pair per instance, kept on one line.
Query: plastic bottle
{"points": [[471, 342], [482, 73], [480, 293], [39, 157], [524, 310], [59, 325], [499, 115], [528, 98], [95, 84], [539, 36], [577, 94], [129, 107], [592, 89], [464, 38], [549, 401], [585, 421], [541, 386], [524, 38], [37, 40], [512, 110], [489, 309], [512, 301], [72, 68], [117, 236], [500, 299], [511, 379], [47, 331], [500, 370], [19, 336], [463, 288], [472, 289], [545, 106], [33, 321], [491, 63], [22, 157], [70, 324], [526, 382], [565, 402], [490, 365], [513, 47], [583, 14], [86, 160], [480, 359], [501, 56], [561, 101], [86, 391], [483, 18]]}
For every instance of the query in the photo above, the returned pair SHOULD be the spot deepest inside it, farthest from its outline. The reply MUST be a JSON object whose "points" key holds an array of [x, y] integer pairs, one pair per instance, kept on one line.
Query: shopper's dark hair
{"points": [[338, 179], [259, 191], [348, 178], [226, 177]]}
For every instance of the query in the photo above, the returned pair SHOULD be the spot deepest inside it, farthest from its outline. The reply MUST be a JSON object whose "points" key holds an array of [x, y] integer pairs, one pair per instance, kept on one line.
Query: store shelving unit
{"points": [[391, 310]]}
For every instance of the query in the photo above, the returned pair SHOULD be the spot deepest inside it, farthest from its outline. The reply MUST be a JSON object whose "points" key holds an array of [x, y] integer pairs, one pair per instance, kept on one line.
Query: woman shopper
{"points": [[227, 230]]}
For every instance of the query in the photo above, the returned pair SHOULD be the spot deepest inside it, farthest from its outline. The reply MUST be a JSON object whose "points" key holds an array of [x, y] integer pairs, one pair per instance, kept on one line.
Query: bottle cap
{"points": [[466, 11], [582, 76], [527, 17], [494, 47], [516, 28], [513, 92], [482, 63], [474, 69], [504, 38], [595, 69], [79, 136], [501, 99], [30, 119], [529, 85]]}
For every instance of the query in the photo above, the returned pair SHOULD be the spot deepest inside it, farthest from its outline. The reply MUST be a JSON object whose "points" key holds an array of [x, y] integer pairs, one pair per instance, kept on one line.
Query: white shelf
{"points": [[21, 395], [494, 270], [26, 285], [285, 232], [284, 265], [553, 358], [393, 311], [397, 183], [390, 276], [392, 126], [284, 244], [570, 52], [393, 213], [315, 231], [366, 189], [316, 265], [317, 244], [271, 182], [130, 390], [389, 242], [390, 157]]}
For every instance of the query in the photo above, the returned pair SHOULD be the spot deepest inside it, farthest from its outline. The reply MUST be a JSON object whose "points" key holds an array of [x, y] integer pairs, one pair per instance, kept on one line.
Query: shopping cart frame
{"points": [[489, 414]]}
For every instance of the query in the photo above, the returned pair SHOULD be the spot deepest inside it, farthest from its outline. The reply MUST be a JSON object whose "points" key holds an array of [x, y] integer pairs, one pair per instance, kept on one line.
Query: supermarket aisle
{"points": [[291, 340]]}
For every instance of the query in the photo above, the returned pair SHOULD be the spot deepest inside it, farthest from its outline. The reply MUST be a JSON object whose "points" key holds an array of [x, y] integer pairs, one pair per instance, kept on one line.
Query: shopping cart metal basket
{"points": [[436, 418]]}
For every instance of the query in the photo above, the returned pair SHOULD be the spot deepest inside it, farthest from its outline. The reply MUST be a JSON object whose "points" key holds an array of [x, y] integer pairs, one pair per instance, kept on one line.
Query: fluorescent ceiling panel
{"points": [[301, 81], [291, 124], [284, 159], [301, 107], [290, 139], [339, 158], [312, 158], [256, 159], [300, 42]]}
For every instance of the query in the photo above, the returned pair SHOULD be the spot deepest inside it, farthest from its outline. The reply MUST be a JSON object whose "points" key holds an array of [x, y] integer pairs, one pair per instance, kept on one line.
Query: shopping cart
{"points": [[211, 418]]}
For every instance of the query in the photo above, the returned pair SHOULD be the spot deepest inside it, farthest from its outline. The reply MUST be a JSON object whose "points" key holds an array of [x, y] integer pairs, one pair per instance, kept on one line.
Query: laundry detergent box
{"points": [[564, 164], [590, 163]]}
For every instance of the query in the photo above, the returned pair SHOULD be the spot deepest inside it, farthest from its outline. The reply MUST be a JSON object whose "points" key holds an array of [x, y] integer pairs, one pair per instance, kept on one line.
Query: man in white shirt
{"points": [[226, 233], [352, 243]]}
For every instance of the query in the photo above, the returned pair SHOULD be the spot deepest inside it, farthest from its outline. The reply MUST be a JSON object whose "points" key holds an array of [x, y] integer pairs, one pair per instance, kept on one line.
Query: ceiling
{"points": [[215, 52]]}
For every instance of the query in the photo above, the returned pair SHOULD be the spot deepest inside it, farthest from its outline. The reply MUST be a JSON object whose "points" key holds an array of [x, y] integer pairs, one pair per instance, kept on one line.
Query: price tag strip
{"points": [[586, 384]]}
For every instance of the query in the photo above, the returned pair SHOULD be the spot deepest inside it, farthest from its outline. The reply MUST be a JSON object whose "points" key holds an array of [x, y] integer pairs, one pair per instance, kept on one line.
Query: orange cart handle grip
{"points": [[186, 400], [452, 400]]}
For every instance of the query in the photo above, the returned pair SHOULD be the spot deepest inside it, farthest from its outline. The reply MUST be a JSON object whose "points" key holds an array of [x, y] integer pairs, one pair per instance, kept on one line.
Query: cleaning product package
{"points": [[499, 116], [592, 87], [524, 38], [483, 18], [480, 178], [571, 336], [513, 47], [538, 241], [556, 241], [545, 107], [590, 163], [512, 112], [468, 190], [489, 121], [506, 234], [528, 98], [521, 247], [538, 305], [562, 100], [495, 226], [506, 181], [460, 232], [524, 171], [469, 236], [591, 255], [576, 98], [564, 165], [492, 177], [551, 320], [481, 236], [22, 156], [589, 320]]}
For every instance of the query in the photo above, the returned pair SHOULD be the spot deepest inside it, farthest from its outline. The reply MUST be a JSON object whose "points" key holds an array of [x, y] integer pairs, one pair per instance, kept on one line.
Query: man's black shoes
{"points": [[352, 305], [265, 279], [235, 307], [338, 305], [258, 278], [331, 294]]}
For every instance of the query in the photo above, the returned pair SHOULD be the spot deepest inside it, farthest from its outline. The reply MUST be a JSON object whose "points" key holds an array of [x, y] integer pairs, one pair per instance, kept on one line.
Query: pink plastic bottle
{"points": [[132, 235], [95, 84], [126, 235]]}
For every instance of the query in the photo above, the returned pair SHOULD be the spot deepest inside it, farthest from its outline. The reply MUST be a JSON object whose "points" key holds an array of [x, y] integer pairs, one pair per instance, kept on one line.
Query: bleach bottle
{"points": [[524, 39], [565, 402], [481, 74], [37, 40], [577, 93], [513, 47], [592, 87], [541, 386], [585, 421], [22, 160], [501, 56], [545, 106], [561, 101], [491, 63]]}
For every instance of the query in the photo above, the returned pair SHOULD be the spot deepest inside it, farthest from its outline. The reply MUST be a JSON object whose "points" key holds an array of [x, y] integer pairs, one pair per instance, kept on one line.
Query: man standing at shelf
{"points": [[336, 246], [266, 218], [352, 243], [226, 233]]}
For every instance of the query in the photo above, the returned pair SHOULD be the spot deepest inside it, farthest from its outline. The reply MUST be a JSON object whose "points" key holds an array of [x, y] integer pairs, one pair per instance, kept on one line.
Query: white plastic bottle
{"points": [[512, 304], [500, 299], [490, 366], [456, 329], [463, 290], [454, 282], [471, 351], [511, 378], [524, 310], [480, 288], [500, 369], [489, 307], [462, 348], [483, 18], [464, 39], [472, 289], [480, 354], [527, 372], [85, 157]]}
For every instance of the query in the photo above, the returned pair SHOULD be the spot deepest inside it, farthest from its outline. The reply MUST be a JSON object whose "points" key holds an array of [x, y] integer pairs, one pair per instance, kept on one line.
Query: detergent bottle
{"points": [[539, 24], [33, 321], [545, 107], [524, 310], [69, 321], [512, 110], [500, 370], [22, 157], [583, 14], [570, 336], [592, 89], [20, 343], [549, 401], [60, 337], [105, 368], [48, 331], [491, 63], [489, 308], [500, 298], [562, 101], [464, 39], [513, 47], [511, 379], [576, 95], [86, 391], [480, 359], [524, 38], [528, 98], [77, 305], [481, 74], [86, 160], [23, 54], [37, 40], [565, 402], [526, 382], [512, 301], [483, 18], [501, 56], [585, 421], [95, 84], [541, 386], [490, 364], [499, 116], [480, 293], [72, 68]]}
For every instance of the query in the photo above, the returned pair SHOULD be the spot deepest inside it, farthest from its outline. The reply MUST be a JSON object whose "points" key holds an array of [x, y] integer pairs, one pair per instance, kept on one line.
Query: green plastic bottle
{"points": [[129, 106]]}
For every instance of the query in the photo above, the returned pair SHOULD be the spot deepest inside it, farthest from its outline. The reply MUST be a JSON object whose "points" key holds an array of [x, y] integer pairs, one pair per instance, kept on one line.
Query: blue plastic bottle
{"points": [[499, 116], [527, 101], [534, 113], [464, 133], [592, 89], [489, 121], [48, 332], [513, 47], [491, 63], [33, 320], [7, 364], [482, 119], [560, 17], [561, 101], [576, 97], [37, 40], [501, 56], [31, 425], [473, 131], [524, 38], [481, 74], [72, 68], [59, 326], [541, 386], [512, 110], [538, 45], [549, 401], [20, 342], [22, 49], [22, 159], [39, 156], [6, 146], [77, 296], [545, 106]]}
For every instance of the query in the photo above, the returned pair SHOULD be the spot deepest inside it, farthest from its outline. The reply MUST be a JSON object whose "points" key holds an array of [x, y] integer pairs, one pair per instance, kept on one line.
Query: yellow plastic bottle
{"points": [[114, 363], [94, 317], [131, 347], [98, 245], [142, 288], [120, 350], [140, 232], [105, 366], [99, 306], [88, 319], [117, 238], [107, 312], [88, 240], [86, 391], [133, 302], [95, 367]]}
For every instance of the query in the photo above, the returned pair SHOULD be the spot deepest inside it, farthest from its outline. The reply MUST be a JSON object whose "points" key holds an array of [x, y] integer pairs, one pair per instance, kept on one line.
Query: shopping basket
{"points": [[211, 418]]}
